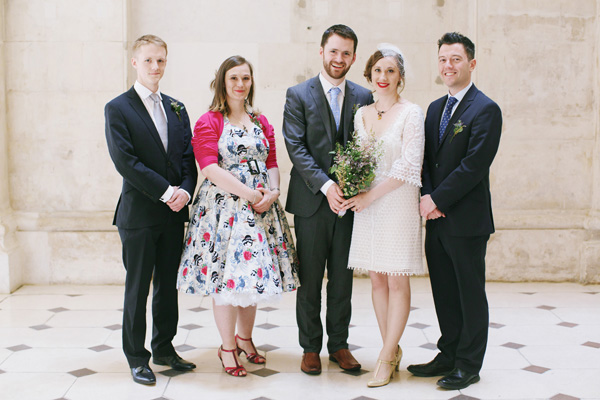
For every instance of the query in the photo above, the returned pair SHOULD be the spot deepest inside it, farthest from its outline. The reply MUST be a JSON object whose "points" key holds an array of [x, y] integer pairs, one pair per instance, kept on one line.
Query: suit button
{"points": [[437, 165], [169, 164]]}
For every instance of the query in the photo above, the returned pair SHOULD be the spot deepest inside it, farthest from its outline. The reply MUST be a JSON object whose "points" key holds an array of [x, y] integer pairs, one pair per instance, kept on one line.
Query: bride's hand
{"points": [[358, 202]]}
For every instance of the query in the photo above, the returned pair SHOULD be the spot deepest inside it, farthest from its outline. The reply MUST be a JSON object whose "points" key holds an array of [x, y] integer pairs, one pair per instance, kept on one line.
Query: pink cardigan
{"points": [[207, 132]]}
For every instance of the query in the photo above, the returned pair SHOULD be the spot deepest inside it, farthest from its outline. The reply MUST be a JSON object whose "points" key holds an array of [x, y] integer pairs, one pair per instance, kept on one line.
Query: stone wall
{"points": [[62, 60]]}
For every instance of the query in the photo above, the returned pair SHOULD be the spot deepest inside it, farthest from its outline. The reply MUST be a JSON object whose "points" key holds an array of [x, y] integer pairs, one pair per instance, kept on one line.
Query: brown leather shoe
{"points": [[345, 359], [311, 363]]}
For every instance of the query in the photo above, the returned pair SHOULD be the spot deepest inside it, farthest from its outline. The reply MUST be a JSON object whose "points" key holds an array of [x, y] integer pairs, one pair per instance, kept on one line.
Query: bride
{"points": [[386, 237]]}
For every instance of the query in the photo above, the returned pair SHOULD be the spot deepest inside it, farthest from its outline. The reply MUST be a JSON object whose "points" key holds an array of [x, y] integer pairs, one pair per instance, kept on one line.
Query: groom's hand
{"points": [[426, 206], [335, 197]]}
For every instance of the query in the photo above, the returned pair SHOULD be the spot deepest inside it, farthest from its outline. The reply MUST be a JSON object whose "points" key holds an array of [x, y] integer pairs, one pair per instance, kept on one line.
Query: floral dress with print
{"points": [[230, 252]]}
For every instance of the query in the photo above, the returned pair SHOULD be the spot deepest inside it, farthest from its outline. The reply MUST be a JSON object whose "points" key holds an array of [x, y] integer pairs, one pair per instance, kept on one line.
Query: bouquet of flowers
{"points": [[354, 165]]}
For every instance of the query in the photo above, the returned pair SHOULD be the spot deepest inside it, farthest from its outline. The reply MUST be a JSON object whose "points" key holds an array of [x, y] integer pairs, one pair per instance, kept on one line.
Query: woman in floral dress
{"points": [[238, 248]]}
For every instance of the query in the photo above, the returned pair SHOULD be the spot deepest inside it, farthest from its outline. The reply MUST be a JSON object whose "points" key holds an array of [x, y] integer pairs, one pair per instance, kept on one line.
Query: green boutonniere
{"points": [[177, 107], [254, 118], [458, 128], [355, 108]]}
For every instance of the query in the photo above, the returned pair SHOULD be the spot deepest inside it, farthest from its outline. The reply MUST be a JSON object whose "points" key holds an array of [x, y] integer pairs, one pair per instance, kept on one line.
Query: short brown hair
{"points": [[378, 55], [341, 30], [148, 39], [219, 101]]}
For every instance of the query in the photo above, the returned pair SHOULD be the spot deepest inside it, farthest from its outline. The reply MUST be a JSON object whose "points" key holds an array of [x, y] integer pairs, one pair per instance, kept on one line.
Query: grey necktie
{"points": [[446, 116], [334, 92], [159, 120]]}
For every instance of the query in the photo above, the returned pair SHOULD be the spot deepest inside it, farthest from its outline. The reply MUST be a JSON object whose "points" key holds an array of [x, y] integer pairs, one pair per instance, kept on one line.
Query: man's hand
{"points": [[427, 206], [178, 200], [335, 197], [435, 214]]}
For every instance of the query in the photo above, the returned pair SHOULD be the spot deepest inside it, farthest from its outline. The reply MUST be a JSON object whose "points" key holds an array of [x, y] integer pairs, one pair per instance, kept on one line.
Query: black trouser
{"points": [[457, 273], [324, 240], [151, 253]]}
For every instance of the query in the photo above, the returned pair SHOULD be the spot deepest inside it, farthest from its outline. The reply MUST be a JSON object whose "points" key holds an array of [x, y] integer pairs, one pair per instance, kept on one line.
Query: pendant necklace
{"points": [[380, 113], [238, 123]]}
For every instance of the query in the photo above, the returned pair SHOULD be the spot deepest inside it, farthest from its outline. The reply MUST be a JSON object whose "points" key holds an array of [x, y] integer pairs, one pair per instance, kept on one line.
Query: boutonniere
{"points": [[355, 108], [458, 128], [177, 107], [255, 120]]}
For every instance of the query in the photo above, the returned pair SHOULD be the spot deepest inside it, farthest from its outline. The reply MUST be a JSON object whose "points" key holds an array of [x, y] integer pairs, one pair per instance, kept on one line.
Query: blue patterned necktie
{"points": [[334, 92], [446, 117]]}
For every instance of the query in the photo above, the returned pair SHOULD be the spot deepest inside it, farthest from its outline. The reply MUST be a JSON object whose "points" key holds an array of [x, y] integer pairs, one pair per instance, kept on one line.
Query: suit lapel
{"points": [[316, 91], [462, 107], [138, 106], [349, 102]]}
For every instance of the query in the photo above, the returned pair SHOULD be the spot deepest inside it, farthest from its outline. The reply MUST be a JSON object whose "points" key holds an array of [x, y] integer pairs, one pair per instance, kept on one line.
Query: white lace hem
{"points": [[385, 272], [244, 299]]}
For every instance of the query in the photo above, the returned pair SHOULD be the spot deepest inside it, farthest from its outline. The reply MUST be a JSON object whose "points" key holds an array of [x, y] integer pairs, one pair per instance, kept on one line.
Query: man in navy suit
{"points": [[462, 134], [318, 114], [149, 140]]}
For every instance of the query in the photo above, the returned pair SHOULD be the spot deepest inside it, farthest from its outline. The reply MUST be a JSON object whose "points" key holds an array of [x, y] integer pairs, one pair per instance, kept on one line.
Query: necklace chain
{"points": [[380, 113]]}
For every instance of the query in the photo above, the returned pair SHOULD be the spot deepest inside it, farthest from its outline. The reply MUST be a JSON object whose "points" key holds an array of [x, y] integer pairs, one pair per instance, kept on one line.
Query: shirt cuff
{"points": [[168, 194], [326, 186]]}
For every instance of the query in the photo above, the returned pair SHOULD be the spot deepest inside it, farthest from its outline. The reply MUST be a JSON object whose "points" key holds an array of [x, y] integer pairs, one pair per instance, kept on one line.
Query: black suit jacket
{"points": [[310, 137], [456, 171], [147, 169]]}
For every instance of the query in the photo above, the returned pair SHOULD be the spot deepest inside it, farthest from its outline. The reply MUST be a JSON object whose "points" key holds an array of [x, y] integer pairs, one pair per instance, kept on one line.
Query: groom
{"points": [[318, 114], [148, 135], [462, 133]]}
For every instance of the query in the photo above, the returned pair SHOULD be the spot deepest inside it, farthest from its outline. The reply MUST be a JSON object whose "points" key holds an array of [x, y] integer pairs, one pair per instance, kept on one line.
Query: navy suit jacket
{"points": [[147, 169], [310, 137], [456, 170]]}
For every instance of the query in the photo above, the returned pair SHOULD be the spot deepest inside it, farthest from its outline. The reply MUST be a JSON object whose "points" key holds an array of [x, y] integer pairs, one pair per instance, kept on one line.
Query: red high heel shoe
{"points": [[254, 358], [238, 370]]}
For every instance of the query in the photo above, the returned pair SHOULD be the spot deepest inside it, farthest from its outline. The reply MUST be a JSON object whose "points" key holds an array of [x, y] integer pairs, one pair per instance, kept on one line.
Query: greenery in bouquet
{"points": [[354, 165]]}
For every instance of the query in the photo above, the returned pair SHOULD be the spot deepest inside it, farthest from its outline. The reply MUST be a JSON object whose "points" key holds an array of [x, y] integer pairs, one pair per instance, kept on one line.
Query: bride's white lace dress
{"points": [[386, 236]]}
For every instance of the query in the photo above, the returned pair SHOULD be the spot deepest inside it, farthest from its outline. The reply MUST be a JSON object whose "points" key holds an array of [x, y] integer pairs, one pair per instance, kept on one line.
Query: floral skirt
{"points": [[234, 254]]}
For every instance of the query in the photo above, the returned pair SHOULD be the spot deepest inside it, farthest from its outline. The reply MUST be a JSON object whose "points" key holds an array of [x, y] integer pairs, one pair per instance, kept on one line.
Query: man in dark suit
{"points": [[318, 114], [462, 134], [149, 141]]}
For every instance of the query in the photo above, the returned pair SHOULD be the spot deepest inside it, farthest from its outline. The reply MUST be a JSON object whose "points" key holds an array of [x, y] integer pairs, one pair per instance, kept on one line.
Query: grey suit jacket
{"points": [[310, 138]]}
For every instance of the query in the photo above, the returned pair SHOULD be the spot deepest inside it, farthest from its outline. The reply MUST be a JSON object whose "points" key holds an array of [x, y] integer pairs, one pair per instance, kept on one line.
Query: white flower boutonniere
{"points": [[458, 128], [177, 107]]}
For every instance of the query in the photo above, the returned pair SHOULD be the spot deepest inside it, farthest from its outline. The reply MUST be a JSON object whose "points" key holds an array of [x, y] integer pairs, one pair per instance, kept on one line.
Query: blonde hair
{"points": [[148, 39]]}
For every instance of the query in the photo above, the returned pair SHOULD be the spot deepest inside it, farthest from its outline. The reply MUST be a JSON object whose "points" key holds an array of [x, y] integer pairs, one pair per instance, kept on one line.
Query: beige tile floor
{"points": [[63, 342]]}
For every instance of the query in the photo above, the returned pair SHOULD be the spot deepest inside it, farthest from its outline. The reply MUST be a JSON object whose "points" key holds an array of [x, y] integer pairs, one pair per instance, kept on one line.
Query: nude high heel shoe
{"points": [[383, 381]]}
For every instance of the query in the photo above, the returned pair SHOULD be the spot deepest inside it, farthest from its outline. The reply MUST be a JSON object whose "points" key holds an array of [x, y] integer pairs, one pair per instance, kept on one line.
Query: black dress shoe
{"points": [[143, 374], [175, 362], [458, 379], [432, 368]]}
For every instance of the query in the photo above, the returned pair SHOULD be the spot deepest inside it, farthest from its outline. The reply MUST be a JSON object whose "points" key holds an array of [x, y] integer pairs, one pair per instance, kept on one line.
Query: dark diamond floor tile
{"points": [[79, 373], [418, 325], [592, 344], [161, 398], [429, 346], [463, 397], [537, 369], [19, 347], [1, 372], [114, 327], [496, 325], [74, 295], [120, 309], [528, 293], [198, 309], [548, 308], [58, 309], [184, 347], [268, 309], [40, 327], [100, 348], [264, 372], [512, 345], [561, 396], [267, 326], [171, 373], [356, 373], [262, 398], [591, 292], [363, 398], [353, 347], [191, 327], [351, 326], [413, 308], [567, 324], [267, 347]]}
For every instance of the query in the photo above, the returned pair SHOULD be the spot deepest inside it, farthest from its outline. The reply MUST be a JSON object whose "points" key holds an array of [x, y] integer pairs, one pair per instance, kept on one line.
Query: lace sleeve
{"points": [[407, 166]]}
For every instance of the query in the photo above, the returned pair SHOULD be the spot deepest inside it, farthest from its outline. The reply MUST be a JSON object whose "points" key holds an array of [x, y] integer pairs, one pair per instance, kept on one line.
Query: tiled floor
{"points": [[63, 342]]}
